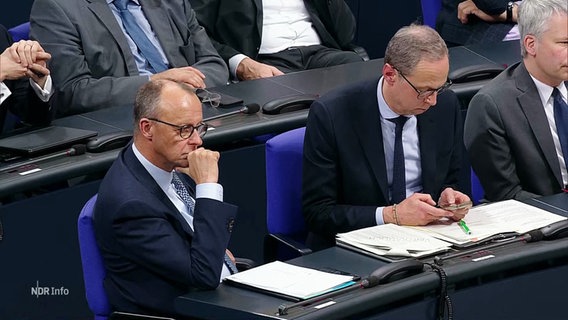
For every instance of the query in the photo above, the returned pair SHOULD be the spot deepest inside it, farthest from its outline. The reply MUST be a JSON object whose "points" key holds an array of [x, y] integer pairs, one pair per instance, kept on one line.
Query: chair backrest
{"points": [[284, 183], [93, 268], [20, 32], [430, 10], [477, 192]]}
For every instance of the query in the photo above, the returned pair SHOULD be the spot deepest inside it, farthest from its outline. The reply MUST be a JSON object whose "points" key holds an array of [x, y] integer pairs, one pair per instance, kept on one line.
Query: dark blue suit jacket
{"points": [[150, 252], [344, 170]]}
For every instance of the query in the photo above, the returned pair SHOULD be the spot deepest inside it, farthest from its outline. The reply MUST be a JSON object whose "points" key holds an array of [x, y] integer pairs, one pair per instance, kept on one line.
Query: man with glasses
{"points": [[160, 220], [386, 150], [516, 129]]}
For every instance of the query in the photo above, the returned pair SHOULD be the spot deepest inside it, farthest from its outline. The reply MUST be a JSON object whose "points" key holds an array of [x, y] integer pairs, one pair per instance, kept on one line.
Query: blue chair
{"points": [[20, 32], [477, 192], [284, 218], [430, 10], [94, 271]]}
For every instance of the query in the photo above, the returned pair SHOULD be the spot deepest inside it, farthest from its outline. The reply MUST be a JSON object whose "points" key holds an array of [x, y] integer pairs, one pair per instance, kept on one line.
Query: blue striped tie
{"points": [[147, 49]]}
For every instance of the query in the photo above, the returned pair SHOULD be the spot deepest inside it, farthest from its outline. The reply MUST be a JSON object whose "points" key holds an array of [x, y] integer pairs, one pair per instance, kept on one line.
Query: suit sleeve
{"points": [[149, 238], [492, 7], [207, 12], [487, 144], [339, 21], [207, 59], [322, 181]]}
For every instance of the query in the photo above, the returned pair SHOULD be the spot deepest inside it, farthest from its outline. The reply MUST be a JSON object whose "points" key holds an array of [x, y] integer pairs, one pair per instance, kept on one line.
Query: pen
{"points": [[464, 227]]}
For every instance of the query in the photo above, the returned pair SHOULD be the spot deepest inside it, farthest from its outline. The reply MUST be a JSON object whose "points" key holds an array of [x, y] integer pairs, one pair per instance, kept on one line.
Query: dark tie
{"points": [[181, 190], [398, 190], [561, 119], [147, 49]]}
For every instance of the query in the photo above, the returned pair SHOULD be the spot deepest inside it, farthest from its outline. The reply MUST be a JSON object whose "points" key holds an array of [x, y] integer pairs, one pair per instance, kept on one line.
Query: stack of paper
{"points": [[392, 240], [510, 216], [290, 281]]}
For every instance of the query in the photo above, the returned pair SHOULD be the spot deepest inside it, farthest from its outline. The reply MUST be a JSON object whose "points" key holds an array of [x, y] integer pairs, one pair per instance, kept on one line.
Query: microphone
{"points": [[75, 150], [532, 236], [247, 109]]}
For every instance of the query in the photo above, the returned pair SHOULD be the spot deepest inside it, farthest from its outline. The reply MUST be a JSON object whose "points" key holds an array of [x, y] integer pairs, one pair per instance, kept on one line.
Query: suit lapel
{"points": [[427, 141], [531, 105], [101, 9], [145, 179], [259, 15], [369, 120]]}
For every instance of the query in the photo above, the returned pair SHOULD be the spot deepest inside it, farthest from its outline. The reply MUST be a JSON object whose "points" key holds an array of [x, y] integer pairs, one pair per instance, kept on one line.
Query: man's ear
{"points": [[389, 74], [530, 43], [146, 128]]}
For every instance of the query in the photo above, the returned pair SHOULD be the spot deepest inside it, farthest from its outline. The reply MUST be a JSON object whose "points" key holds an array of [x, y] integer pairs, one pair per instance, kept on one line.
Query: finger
{"points": [[39, 70], [276, 71], [27, 52]]}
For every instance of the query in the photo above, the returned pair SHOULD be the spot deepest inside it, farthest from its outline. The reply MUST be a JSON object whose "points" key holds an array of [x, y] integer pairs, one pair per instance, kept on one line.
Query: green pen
{"points": [[464, 227]]}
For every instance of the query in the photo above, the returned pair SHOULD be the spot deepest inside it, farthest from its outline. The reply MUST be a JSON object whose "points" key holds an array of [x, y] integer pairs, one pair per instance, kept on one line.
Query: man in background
{"points": [[265, 38], [516, 129], [105, 50]]}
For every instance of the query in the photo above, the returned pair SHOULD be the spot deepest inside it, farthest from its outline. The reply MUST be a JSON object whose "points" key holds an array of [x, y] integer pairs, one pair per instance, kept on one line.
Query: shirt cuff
{"points": [[209, 190], [4, 92], [379, 216], [234, 63], [45, 93]]}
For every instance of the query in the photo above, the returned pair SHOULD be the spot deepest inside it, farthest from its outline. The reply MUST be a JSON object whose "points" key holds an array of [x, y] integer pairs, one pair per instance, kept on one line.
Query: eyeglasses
{"points": [[187, 130], [426, 93], [213, 98]]}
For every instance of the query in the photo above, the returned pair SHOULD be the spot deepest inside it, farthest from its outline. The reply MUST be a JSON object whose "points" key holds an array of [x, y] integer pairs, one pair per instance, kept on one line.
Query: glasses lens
{"points": [[186, 131], [214, 99]]}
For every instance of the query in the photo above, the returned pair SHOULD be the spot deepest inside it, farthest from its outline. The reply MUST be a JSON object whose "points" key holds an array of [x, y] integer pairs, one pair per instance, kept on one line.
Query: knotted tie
{"points": [[181, 190], [147, 49], [398, 191], [561, 119]]}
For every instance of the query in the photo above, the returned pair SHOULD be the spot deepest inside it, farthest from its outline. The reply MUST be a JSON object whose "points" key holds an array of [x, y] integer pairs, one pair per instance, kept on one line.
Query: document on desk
{"points": [[289, 281], [485, 221], [391, 240]]}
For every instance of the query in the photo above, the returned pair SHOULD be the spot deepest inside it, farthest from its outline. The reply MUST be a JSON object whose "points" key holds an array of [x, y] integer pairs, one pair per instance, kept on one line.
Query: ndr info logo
{"points": [[38, 291]]}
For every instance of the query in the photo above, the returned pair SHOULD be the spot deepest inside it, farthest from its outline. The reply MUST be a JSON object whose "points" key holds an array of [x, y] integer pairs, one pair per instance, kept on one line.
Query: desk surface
{"points": [[238, 303]]}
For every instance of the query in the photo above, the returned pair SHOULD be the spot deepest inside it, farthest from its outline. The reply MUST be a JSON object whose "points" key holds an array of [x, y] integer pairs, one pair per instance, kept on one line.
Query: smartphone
{"points": [[454, 207]]}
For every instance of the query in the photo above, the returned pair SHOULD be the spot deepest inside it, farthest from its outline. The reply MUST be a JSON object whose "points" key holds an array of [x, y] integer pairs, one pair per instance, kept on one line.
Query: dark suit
{"points": [[235, 26], [93, 66], [509, 141], [150, 253], [344, 173], [23, 102], [476, 30]]}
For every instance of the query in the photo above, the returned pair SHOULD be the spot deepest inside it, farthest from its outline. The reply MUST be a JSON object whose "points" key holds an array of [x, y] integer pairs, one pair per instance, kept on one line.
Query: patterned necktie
{"points": [[398, 190], [561, 119], [182, 193], [181, 190], [147, 49]]}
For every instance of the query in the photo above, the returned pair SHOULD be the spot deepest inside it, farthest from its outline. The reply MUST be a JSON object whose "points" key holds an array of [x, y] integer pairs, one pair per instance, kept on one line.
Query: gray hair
{"points": [[149, 96], [534, 15], [412, 44]]}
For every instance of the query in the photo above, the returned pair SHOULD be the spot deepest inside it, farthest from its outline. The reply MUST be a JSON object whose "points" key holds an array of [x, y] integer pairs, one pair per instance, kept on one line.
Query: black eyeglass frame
{"points": [[201, 128], [421, 95]]}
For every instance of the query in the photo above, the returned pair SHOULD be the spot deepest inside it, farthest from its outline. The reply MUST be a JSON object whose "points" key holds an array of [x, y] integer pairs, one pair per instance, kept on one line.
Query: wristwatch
{"points": [[509, 17]]}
